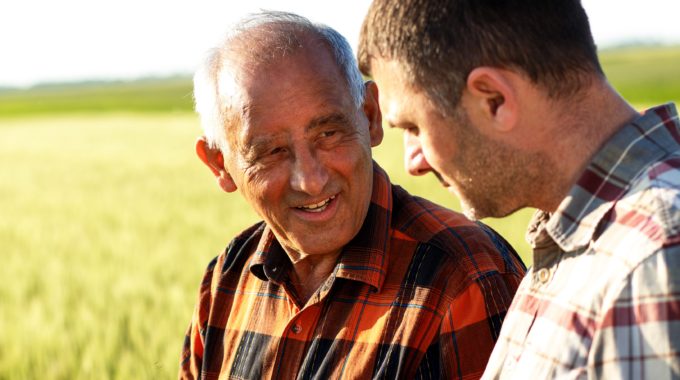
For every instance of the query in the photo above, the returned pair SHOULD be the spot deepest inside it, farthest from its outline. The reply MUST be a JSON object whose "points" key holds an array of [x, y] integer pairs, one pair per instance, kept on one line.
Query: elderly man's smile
{"points": [[317, 207], [318, 211]]}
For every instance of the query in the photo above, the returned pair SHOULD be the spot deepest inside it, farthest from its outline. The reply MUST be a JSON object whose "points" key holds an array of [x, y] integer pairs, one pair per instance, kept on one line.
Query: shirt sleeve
{"points": [[192, 351], [639, 333], [471, 325]]}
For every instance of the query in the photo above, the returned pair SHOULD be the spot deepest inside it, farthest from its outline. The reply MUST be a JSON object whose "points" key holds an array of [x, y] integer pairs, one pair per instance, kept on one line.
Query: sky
{"points": [[74, 40]]}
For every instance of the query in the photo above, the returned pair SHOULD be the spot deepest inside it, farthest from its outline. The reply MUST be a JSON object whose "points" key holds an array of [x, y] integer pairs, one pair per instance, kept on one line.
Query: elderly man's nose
{"points": [[309, 175], [414, 159]]}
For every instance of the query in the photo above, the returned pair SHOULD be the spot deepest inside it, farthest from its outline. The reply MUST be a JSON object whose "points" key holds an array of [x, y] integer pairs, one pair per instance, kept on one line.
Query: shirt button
{"points": [[543, 275], [296, 329]]}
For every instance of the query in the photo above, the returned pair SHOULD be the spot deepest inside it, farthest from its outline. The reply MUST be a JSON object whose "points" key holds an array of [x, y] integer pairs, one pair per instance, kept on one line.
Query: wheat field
{"points": [[107, 220]]}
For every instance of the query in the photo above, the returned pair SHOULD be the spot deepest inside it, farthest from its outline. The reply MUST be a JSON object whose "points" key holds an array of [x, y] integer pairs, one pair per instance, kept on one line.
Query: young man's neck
{"points": [[581, 126]]}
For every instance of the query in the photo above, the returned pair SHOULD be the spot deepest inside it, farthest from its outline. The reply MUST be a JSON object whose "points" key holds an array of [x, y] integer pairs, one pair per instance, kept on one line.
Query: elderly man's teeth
{"points": [[317, 207]]}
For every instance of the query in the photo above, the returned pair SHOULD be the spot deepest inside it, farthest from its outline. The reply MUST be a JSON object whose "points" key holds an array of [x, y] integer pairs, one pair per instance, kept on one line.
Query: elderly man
{"points": [[507, 103], [347, 276]]}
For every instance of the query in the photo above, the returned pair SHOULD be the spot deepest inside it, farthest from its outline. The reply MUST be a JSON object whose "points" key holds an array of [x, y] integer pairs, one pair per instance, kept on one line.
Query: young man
{"points": [[347, 276], [506, 103]]}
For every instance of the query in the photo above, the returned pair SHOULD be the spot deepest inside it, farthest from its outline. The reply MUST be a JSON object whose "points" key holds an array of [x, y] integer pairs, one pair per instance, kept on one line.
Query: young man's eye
{"points": [[412, 131]]}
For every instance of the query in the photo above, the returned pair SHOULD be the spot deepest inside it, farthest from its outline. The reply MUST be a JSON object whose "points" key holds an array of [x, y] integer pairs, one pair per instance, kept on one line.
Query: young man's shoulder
{"points": [[646, 218]]}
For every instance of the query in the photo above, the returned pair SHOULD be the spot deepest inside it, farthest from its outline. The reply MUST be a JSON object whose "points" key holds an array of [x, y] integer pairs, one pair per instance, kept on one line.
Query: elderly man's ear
{"points": [[213, 159], [373, 114]]}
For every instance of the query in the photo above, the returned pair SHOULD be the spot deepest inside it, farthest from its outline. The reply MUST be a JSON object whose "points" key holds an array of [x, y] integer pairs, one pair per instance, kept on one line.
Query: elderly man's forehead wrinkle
{"points": [[246, 111], [243, 138]]}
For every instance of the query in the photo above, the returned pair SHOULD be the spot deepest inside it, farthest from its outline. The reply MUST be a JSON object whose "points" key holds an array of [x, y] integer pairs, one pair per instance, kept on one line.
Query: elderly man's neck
{"points": [[309, 272]]}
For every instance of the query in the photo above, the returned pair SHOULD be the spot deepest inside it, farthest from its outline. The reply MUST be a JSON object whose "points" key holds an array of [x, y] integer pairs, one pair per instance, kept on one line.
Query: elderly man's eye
{"points": [[277, 150], [328, 133]]}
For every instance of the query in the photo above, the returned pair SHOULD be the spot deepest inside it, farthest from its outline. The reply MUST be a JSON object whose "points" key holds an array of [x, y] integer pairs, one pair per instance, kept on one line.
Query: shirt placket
{"points": [[299, 332], [546, 255]]}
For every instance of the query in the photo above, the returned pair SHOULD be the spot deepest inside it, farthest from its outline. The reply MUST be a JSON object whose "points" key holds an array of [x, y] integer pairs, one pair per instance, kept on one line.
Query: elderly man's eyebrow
{"points": [[255, 145], [261, 141], [336, 118]]}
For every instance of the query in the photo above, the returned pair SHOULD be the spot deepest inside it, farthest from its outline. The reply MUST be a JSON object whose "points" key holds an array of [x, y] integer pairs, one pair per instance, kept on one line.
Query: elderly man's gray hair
{"points": [[257, 39]]}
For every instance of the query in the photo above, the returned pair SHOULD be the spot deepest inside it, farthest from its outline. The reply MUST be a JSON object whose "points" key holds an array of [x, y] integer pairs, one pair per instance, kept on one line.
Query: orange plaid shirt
{"points": [[420, 292]]}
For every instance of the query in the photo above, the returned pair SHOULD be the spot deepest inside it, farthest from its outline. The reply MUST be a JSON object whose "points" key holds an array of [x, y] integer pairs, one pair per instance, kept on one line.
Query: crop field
{"points": [[107, 219]]}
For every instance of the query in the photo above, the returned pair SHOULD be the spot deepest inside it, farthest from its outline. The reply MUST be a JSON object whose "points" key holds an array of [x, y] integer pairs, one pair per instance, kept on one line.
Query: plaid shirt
{"points": [[420, 292], [603, 297]]}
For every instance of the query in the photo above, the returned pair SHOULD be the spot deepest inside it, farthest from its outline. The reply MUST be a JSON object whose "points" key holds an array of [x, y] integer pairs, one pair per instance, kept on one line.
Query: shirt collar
{"points": [[362, 259], [270, 261], [648, 138]]}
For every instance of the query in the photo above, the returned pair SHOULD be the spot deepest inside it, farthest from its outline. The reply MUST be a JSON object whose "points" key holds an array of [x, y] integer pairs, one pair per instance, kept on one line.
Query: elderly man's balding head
{"points": [[258, 43]]}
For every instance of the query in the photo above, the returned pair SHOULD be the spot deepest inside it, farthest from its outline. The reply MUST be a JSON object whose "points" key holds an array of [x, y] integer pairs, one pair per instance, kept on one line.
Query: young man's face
{"points": [[474, 167], [302, 154]]}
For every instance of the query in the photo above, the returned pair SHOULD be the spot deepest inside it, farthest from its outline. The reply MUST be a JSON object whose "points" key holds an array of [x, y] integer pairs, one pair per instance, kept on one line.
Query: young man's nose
{"points": [[414, 159]]}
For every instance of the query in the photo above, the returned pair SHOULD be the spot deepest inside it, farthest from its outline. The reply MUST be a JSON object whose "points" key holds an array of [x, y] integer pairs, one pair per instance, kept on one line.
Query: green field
{"points": [[108, 219], [144, 96]]}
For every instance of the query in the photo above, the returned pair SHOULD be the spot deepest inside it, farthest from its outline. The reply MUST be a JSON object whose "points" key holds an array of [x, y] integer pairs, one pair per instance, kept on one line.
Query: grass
{"points": [[108, 223], [108, 220], [646, 76], [144, 96]]}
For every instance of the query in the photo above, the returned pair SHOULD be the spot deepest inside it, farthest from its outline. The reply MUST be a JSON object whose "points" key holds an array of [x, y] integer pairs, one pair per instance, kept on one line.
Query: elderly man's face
{"points": [[302, 154]]}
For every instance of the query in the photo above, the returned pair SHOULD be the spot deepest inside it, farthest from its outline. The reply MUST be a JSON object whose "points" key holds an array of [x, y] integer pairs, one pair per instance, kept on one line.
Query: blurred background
{"points": [[107, 219]]}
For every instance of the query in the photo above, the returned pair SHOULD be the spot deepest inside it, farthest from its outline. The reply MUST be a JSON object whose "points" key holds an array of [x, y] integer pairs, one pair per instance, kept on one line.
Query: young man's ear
{"points": [[372, 112], [494, 94], [213, 159]]}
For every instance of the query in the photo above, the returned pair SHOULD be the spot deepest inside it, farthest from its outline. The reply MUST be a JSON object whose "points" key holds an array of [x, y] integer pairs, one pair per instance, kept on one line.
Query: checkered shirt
{"points": [[602, 300], [420, 292]]}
